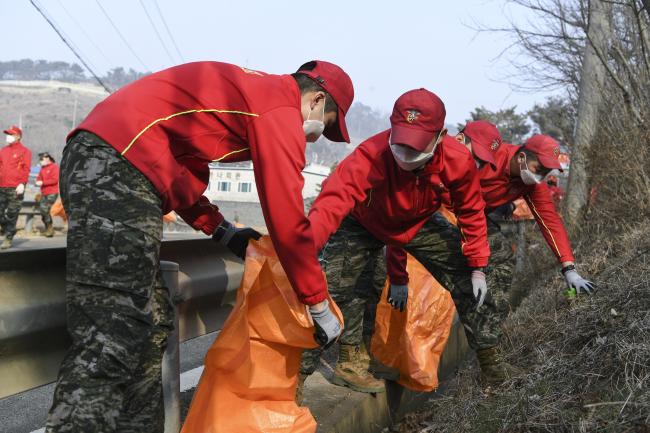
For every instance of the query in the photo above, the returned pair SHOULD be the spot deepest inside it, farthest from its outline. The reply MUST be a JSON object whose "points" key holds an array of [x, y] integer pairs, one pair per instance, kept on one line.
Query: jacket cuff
{"points": [[477, 262], [313, 299], [566, 258], [399, 281]]}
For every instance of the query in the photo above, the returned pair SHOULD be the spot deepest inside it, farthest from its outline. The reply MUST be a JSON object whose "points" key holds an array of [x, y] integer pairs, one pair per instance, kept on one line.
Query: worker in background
{"points": [[557, 193], [390, 186], [48, 181], [144, 151], [15, 162], [519, 172]]}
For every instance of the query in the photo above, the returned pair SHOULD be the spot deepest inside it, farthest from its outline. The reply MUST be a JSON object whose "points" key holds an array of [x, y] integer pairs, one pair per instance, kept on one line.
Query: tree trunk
{"points": [[592, 80]]}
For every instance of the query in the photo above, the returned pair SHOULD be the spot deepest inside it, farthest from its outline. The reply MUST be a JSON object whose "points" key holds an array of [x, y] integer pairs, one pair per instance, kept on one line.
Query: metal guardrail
{"points": [[33, 337]]}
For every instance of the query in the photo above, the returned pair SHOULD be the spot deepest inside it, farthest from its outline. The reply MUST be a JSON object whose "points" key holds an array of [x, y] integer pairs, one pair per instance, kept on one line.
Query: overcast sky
{"points": [[387, 47]]}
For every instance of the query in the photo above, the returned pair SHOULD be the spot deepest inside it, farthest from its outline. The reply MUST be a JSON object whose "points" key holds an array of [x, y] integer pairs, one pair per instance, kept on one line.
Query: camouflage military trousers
{"points": [[9, 209], [118, 312], [355, 270], [44, 207]]}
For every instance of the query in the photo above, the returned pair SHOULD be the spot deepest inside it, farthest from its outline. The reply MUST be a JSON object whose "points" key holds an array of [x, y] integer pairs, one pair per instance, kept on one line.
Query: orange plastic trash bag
{"points": [[250, 376], [413, 341], [57, 209]]}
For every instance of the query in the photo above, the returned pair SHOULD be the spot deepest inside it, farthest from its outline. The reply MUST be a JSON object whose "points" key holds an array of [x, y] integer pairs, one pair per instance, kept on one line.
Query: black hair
{"points": [[307, 84], [46, 155]]}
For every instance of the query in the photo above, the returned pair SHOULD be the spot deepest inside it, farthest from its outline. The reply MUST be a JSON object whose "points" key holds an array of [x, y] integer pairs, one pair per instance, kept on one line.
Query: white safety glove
{"points": [[327, 326], [20, 189], [575, 281], [479, 286], [39, 182], [397, 296]]}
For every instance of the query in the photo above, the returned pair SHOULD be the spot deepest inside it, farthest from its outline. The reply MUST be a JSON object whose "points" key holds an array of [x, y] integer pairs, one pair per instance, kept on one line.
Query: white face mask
{"points": [[312, 128], [528, 177], [10, 139], [410, 159]]}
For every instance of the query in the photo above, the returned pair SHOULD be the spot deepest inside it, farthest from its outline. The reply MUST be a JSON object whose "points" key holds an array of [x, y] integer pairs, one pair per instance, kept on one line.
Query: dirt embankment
{"points": [[587, 360]]}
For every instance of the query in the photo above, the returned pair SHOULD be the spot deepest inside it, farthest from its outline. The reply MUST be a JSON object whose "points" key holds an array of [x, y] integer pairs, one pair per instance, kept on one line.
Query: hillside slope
{"points": [[587, 360]]}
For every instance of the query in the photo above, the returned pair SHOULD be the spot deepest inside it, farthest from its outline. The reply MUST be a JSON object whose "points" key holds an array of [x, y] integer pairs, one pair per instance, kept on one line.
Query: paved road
{"points": [[26, 412]]}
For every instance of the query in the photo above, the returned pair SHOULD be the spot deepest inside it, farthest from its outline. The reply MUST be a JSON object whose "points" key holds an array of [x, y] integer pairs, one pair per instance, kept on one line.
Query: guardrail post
{"points": [[171, 369]]}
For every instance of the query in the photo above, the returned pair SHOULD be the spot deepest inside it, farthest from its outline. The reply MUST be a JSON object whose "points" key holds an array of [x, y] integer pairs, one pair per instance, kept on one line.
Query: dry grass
{"points": [[587, 360]]}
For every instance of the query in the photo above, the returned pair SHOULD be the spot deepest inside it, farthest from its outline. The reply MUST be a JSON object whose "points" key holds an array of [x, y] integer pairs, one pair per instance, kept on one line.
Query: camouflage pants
{"points": [[10, 204], [44, 207], [437, 247], [352, 252], [354, 262], [118, 312]]}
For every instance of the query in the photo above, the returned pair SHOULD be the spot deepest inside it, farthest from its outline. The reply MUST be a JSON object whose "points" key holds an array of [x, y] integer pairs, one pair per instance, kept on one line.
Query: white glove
{"points": [[575, 281], [20, 189], [39, 182], [327, 326], [479, 285]]}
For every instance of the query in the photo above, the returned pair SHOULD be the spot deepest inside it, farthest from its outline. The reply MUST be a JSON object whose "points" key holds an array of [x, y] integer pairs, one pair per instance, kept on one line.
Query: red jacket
{"points": [[49, 175], [173, 123], [499, 188], [15, 162], [393, 204]]}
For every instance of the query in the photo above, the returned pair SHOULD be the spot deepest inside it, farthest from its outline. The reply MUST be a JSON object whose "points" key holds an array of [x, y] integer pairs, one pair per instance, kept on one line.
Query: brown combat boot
{"points": [[494, 370], [49, 231], [352, 371], [300, 389], [6, 244]]}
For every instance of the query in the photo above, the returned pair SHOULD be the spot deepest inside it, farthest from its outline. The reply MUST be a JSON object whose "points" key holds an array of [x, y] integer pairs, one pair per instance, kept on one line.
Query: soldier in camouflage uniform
{"points": [[15, 163], [48, 181], [389, 188], [119, 313]]}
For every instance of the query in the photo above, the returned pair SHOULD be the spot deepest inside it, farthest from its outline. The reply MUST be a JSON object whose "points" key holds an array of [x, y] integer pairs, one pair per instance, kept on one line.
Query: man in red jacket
{"points": [[390, 186], [48, 180], [15, 162], [518, 173], [145, 151]]}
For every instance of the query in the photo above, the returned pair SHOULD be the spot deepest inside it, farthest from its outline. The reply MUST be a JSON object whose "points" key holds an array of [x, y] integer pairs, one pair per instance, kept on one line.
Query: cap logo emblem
{"points": [[412, 115], [556, 151], [494, 145]]}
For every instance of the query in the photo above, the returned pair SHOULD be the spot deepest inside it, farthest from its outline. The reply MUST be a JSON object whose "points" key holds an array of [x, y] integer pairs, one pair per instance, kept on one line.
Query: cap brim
{"points": [[484, 155], [339, 131], [9, 132], [548, 162], [414, 138]]}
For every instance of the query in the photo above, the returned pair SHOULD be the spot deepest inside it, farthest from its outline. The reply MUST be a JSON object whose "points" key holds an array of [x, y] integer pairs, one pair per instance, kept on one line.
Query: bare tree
{"points": [[590, 49], [592, 81]]}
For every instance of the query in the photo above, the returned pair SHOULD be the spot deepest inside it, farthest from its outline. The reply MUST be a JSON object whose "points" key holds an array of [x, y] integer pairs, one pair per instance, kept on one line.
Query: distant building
{"points": [[236, 182]]}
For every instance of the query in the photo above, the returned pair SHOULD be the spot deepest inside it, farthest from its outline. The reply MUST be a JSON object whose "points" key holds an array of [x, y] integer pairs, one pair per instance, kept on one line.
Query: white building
{"points": [[236, 182]]}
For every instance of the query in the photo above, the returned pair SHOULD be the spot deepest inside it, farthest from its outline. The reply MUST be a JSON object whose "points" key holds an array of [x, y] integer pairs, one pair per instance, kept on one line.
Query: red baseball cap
{"points": [[418, 115], [547, 150], [485, 138], [338, 84], [14, 130]]}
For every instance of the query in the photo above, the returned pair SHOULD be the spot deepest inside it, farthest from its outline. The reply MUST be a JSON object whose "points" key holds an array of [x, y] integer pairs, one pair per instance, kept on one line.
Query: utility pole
{"points": [[592, 83]]}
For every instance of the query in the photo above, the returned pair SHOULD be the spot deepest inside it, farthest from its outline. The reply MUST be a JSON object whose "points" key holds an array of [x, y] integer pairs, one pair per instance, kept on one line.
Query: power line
{"points": [[85, 33], [162, 18], [121, 36], [69, 44], [146, 12]]}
